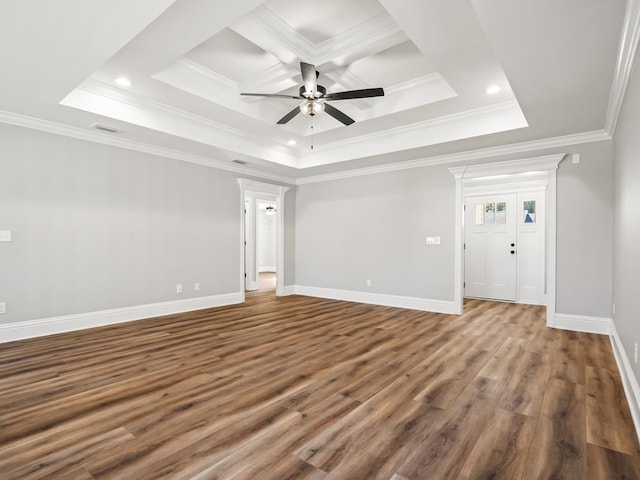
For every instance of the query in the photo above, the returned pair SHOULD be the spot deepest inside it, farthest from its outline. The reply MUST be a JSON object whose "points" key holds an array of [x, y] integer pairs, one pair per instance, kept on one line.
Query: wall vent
{"points": [[105, 128]]}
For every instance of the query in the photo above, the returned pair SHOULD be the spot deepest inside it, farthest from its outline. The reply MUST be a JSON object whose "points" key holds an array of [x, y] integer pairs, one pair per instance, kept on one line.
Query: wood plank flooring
{"points": [[304, 388]]}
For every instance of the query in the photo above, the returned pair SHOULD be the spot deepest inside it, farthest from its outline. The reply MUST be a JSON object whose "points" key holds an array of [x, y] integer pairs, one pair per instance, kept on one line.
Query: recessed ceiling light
{"points": [[291, 142], [493, 89], [123, 81]]}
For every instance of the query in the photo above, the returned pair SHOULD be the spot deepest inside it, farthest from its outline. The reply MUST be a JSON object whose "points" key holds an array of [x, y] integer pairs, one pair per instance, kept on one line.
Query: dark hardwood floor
{"points": [[304, 388]]}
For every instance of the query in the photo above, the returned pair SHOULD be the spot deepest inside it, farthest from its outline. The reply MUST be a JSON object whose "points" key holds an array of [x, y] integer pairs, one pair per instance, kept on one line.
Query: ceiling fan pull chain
{"points": [[312, 136]]}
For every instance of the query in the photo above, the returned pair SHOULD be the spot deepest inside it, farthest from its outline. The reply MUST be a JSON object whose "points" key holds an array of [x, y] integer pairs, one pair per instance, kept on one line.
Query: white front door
{"points": [[490, 247]]}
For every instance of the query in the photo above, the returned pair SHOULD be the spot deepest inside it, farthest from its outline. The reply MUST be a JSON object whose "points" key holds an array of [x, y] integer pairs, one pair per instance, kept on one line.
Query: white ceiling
{"points": [[188, 61]]}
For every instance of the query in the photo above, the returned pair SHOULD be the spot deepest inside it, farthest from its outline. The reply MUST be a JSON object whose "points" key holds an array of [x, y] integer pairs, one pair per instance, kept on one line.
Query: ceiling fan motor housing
{"points": [[319, 93]]}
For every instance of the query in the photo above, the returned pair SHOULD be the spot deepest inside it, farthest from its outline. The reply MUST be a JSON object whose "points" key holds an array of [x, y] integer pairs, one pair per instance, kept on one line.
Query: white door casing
{"points": [[539, 171], [254, 188]]}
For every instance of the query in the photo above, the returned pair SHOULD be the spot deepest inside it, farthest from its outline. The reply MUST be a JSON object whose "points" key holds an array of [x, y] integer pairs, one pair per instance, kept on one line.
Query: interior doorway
{"points": [[262, 234], [260, 244]]}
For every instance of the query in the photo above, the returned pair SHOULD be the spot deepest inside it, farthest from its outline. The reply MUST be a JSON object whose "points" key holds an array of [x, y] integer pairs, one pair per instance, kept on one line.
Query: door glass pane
{"points": [[490, 213], [501, 213], [479, 214], [529, 211]]}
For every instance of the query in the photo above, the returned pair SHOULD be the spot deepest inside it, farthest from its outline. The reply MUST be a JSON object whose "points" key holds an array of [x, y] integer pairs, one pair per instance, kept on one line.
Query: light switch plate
{"points": [[433, 240], [3, 307], [5, 235]]}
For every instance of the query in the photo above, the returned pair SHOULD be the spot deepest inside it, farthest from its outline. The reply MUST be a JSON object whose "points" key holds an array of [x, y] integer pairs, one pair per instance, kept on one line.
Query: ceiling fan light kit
{"points": [[314, 97], [312, 107]]}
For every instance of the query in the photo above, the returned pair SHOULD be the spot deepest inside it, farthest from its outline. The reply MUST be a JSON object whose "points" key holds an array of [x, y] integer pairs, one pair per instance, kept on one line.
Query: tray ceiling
{"points": [[188, 62]]}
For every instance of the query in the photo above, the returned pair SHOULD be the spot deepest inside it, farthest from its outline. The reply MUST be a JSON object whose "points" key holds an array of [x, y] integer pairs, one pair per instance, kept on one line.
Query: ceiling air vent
{"points": [[240, 162], [105, 128]]}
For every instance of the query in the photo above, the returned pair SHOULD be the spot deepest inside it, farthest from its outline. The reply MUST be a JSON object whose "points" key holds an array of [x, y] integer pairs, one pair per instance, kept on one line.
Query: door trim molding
{"points": [[470, 179], [278, 191]]}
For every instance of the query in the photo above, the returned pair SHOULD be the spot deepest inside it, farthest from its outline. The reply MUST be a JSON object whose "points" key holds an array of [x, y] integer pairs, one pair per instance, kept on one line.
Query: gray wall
{"points": [[585, 232], [374, 227], [626, 261], [97, 227]]}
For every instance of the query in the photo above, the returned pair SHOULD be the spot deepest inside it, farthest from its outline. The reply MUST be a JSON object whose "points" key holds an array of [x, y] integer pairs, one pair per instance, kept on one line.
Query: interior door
{"points": [[490, 247]]}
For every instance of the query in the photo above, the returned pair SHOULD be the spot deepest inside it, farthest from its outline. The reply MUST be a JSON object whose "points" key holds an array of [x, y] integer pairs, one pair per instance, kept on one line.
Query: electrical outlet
{"points": [[3, 307], [368, 283], [196, 286], [179, 288]]}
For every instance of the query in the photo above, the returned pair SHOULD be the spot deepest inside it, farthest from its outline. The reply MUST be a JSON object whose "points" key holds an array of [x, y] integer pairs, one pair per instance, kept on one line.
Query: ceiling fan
{"points": [[314, 97]]}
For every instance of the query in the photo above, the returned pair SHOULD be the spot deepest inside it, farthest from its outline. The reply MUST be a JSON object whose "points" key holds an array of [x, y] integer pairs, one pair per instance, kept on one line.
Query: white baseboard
{"points": [[288, 290], [267, 268], [629, 382], [581, 323], [413, 303], [68, 323]]}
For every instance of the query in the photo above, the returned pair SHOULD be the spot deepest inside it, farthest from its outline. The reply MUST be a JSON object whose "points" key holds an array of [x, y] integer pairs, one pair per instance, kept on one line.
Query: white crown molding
{"points": [[69, 323], [104, 90], [270, 32], [195, 79], [476, 114], [420, 83], [624, 64], [120, 142], [476, 173], [96, 97], [377, 34], [514, 148], [222, 82], [276, 78], [399, 301], [267, 30], [471, 123], [629, 381]]}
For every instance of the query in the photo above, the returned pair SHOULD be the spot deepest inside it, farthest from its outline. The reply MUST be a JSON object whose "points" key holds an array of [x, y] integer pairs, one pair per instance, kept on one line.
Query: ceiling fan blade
{"points": [[309, 77], [338, 115], [350, 94], [273, 95], [289, 116]]}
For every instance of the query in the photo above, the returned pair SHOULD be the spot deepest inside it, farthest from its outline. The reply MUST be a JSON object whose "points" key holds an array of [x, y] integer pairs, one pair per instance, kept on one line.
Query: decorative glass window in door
{"points": [[529, 211], [490, 213], [501, 213]]}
